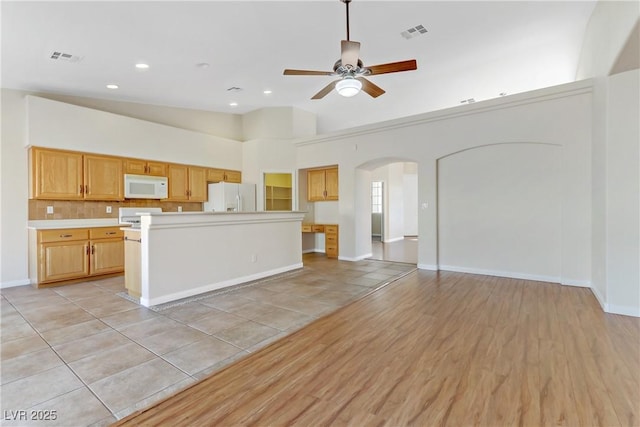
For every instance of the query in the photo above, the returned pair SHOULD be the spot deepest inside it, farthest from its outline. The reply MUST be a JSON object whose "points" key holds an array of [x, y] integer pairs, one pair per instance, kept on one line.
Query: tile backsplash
{"points": [[67, 209]]}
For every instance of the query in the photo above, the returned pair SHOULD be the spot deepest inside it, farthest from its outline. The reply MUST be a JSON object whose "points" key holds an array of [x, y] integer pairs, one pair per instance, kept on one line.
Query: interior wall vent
{"points": [[414, 32], [62, 56], [468, 101]]}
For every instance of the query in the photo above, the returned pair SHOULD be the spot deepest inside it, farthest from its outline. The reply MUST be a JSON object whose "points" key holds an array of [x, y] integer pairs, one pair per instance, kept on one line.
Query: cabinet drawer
{"points": [[331, 239], [63, 235], [306, 229], [105, 233], [331, 229], [317, 228]]}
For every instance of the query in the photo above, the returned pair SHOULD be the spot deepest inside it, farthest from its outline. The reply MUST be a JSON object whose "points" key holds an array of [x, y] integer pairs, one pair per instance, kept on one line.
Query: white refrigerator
{"points": [[230, 197]]}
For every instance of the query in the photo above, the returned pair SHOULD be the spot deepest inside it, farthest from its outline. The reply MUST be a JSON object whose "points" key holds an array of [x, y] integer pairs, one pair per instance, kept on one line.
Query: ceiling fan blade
{"points": [[370, 88], [393, 67], [288, 72], [325, 90], [350, 53]]}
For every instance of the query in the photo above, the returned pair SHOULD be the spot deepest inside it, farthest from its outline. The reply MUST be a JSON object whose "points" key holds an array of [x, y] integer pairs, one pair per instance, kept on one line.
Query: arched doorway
{"points": [[393, 210]]}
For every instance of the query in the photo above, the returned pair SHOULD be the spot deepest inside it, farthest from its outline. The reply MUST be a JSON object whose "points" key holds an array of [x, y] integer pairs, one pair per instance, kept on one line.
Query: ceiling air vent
{"points": [[413, 32], [468, 101], [66, 57]]}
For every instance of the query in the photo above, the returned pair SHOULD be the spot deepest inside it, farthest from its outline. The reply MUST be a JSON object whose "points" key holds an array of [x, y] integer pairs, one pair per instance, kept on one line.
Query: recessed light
{"points": [[142, 66], [233, 104], [112, 86], [267, 92]]}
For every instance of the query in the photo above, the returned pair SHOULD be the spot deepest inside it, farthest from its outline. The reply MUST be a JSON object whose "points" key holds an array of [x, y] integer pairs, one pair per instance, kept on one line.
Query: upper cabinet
{"points": [[322, 184], [143, 167], [67, 175], [187, 183], [219, 175], [103, 178]]}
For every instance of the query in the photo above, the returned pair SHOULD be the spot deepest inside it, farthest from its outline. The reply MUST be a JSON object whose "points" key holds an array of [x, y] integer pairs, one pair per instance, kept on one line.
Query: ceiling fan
{"points": [[352, 71]]}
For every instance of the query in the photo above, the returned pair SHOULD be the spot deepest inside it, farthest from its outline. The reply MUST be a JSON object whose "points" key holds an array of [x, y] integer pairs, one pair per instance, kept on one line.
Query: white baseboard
{"points": [[395, 239], [353, 259], [600, 299], [625, 310], [509, 274], [14, 283], [148, 302], [431, 267], [576, 283]]}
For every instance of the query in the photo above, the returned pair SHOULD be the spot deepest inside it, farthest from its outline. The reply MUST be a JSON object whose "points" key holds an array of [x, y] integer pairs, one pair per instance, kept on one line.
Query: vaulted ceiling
{"points": [[472, 50]]}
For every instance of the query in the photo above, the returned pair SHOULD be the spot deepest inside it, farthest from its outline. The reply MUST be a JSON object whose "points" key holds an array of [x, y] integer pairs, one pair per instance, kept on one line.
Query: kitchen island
{"points": [[189, 253]]}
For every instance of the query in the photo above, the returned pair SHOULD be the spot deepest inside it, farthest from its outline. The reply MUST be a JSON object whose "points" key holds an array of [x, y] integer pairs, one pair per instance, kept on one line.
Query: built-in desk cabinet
{"points": [[72, 254], [322, 184], [331, 237]]}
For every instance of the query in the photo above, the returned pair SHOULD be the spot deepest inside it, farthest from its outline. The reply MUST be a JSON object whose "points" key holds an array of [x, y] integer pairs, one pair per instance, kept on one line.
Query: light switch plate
{"points": [[108, 209], [49, 210]]}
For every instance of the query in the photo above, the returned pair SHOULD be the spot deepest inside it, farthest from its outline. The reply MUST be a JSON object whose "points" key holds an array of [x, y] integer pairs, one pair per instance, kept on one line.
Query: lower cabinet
{"points": [[75, 253], [132, 270]]}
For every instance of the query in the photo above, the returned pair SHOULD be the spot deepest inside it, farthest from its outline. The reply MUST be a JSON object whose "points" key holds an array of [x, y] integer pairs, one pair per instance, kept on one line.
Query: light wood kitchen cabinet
{"points": [[68, 175], [106, 251], [220, 175], [187, 183], [322, 184], [73, 254], [103, 178], [132, 260], [55, 174], [144, 167]]}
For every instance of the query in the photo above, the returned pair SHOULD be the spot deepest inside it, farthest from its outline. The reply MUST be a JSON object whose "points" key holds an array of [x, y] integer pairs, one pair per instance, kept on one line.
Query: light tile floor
{"points": [[86, 356]]}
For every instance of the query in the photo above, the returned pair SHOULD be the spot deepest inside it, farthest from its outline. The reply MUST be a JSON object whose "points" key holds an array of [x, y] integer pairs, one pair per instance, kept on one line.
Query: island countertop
{"points": [[188, 253]]}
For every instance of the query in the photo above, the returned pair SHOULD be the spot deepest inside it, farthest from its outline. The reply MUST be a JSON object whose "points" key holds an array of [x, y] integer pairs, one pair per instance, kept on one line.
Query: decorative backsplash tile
{"points": [[66, 209]]}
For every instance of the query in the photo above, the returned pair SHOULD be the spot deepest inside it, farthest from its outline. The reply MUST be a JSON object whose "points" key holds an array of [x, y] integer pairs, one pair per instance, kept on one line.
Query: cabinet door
{"points": [[56, 174], [156, 169], [197, 184], [178, 182], [315, 185], [135, 166], [331, 184], [215, 175], [63, 260], [107, 256], [103, 178], [233, 176]]}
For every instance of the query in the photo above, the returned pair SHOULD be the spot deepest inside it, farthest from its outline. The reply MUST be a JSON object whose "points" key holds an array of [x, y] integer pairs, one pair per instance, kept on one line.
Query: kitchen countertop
{"points": [[72, 223]]}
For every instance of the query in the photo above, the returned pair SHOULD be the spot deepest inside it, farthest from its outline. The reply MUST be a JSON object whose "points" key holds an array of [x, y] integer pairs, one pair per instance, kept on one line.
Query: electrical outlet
{"points": [[49, 210], [179, 208], [108, 209]]}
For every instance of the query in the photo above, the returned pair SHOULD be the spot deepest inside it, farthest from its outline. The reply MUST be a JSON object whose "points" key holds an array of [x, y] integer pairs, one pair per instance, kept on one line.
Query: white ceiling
{"points": [[473, 49]]}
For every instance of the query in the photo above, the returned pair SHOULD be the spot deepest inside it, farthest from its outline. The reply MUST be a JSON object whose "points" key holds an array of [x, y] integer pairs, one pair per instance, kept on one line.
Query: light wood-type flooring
{"points": [[433, 349]]}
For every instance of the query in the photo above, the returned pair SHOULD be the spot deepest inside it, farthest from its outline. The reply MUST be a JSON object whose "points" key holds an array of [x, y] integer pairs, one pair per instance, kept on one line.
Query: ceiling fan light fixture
{"points": [[348, 87]]}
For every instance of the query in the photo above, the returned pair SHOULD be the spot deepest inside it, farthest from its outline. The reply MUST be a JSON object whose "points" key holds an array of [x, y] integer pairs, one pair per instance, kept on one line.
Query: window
{"points": [[376, 197]]}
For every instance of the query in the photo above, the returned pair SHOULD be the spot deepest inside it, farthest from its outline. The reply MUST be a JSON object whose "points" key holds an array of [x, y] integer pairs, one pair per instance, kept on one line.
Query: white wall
{"points": [[14, 191], [558, 116], [623, 194], [410, 189], [499, 211], [59, 125]]}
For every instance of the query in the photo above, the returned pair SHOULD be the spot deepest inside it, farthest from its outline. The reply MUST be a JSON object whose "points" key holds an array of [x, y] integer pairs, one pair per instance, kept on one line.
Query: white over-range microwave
{"points": [[145, 187]]}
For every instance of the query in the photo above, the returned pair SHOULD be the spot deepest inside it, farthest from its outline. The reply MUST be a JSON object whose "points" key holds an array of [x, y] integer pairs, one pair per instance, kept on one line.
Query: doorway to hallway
{"points": [[404, 250]]}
